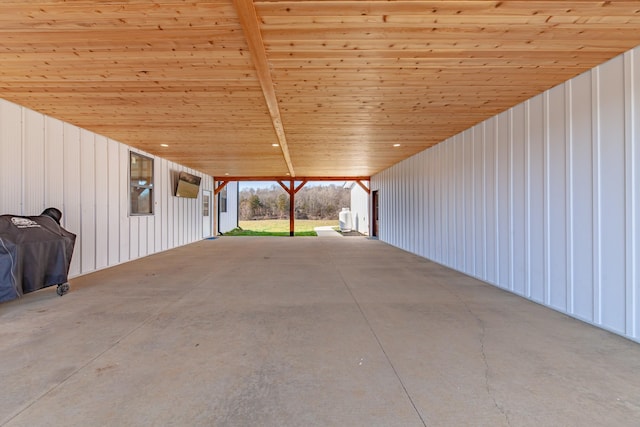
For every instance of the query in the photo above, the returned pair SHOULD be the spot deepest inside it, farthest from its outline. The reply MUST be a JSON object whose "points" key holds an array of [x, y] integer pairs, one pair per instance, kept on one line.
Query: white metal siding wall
{"points": [[541, 200], [229, 220], [360, 209], [45, 162]]}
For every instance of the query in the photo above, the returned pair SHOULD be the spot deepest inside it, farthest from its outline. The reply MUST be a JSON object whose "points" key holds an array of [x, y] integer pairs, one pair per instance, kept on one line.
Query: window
{"points": [[222, 198], [205, 205], [140, 184]]}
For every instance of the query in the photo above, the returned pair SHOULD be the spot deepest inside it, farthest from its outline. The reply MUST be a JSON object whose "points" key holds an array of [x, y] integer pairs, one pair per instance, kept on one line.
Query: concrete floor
{"points": [[244, 331]]}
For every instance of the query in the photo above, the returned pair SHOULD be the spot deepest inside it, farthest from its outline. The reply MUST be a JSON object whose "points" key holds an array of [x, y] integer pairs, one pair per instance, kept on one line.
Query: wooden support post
{"points": [[291, 191], [292, 211], [292, 201]]}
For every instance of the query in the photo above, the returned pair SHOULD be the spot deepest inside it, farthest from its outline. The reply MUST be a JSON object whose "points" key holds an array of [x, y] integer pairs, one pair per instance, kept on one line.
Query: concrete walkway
{"points": [[259, 331], [326, 231]]}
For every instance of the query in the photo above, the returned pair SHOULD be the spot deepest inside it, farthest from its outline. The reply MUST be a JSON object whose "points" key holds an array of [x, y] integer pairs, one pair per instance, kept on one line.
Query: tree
{"points": [[312, 202], [256, 205], [282, 205]]}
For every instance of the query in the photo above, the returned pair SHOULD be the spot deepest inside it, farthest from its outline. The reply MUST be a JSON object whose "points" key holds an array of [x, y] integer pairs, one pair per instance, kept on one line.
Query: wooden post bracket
{"points": [[364, 187], [219, 187], [291, 190]]}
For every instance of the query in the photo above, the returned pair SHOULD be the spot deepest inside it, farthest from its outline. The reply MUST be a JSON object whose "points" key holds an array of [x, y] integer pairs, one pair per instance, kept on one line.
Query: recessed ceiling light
{"points": [[396, 145], [226, 173], [275, 145], [164, 145]]}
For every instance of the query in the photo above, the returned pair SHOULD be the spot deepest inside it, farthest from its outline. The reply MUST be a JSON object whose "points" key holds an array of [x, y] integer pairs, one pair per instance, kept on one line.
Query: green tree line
{"points": [[311, 202]]}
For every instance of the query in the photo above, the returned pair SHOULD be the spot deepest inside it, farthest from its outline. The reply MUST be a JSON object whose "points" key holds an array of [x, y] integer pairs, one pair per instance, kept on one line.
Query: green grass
{"points": [[278, 227], [241, 232]]}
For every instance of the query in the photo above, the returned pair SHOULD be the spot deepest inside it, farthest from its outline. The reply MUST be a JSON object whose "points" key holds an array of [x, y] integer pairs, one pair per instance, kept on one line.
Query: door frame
{"points": [[205, 194], [375, 210]]}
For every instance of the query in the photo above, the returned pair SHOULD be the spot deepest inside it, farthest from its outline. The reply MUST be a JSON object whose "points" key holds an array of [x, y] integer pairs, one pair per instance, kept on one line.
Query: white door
{"points": [[206, 213]]}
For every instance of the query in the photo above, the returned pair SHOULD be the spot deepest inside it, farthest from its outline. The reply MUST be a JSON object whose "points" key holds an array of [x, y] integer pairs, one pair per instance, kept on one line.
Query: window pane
{"points": [[223, 199], [141, 201], [205, 205], [141, 184]]}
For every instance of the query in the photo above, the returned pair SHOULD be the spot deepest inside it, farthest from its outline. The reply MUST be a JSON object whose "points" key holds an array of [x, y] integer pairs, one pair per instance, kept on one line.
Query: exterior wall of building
{"points": [[45, 162], [542, 200], [360, 208], [229, 220]]}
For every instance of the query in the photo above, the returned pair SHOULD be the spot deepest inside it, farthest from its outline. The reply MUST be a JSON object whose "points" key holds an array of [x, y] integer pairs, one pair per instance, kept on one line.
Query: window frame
{"points": [[149, 186], [222, 197], [206, 205]]}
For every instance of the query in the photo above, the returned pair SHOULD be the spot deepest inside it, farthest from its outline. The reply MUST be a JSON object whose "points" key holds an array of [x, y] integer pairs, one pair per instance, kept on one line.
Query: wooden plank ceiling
{"points": [[334, 83]]}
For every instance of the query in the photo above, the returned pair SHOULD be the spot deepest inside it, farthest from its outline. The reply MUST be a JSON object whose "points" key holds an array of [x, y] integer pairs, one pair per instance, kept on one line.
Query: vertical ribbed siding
{"points": [[541, 200], [71, 217], [114, 169], [54, 167], [102, 201], [87, 189], [11, 158], [228, 220], [45, 162], [33, 162], [632, 138], [360, 209]]}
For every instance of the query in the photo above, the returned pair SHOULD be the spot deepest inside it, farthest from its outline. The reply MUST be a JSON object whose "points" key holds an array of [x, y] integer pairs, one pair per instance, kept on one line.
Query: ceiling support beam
{"points": [[285, 187], [364, 187], [300, 178], [251, 27], [299, 187], [220, 186]]}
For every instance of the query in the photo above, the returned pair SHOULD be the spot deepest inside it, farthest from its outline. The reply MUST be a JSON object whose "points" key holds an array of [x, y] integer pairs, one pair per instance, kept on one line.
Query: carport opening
{"points": [[264, 208]]}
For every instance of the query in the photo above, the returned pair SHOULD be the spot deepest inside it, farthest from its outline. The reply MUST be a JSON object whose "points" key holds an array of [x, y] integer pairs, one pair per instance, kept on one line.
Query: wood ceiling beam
{"points": [[251, 28], [301, 178]]}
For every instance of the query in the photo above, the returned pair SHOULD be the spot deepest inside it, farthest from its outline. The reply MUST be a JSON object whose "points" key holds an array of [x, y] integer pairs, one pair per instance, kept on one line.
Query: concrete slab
{"points": [[304, 331], [326, 231]]}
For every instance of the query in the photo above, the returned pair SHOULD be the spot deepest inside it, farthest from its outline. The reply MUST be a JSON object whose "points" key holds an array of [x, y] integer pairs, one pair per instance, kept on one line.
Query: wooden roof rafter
{"points": [[251, 27]]}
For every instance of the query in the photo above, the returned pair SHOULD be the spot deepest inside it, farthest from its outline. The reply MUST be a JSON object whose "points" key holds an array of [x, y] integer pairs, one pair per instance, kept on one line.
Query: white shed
{"points": [[360, 207]]}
